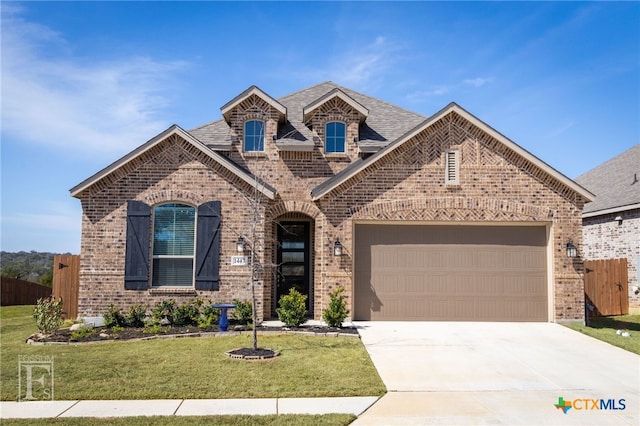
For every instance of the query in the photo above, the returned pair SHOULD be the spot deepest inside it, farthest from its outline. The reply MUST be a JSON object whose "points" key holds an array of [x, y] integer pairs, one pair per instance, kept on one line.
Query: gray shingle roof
{"points": [[615, 182], [385, 122]]}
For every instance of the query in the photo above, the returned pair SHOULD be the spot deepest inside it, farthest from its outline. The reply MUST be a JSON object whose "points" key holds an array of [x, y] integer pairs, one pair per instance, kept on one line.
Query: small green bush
{"points": [[163, 309], [82, 333], [208, 317], [114, 318], [136, 316], [187, 313], [292, 308], [243, 312], [48, 314], [337, 310]]}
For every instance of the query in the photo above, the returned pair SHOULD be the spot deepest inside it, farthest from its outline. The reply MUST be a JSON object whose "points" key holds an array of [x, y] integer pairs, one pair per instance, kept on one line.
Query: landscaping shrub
{"points": [[163, 309], [137, 315], [187, 313], [48, 314], [114, 318], [208, 317], [82, 333], [337, 310], [243, 312], [292, 308]]}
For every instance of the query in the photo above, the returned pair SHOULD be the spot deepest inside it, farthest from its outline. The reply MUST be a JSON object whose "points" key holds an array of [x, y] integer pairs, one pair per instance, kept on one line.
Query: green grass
{"points": [[190, 368], [604, 328], [281, 420]]}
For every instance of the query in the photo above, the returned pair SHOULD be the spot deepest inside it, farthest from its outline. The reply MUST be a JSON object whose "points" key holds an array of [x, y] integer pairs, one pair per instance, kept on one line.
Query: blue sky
{"points": [[85, 83]]}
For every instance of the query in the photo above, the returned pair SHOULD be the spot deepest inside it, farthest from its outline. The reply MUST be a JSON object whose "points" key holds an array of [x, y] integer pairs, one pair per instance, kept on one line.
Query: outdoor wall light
{"points": [[240, 244], [337, 247], [619, 220], [572, 251]]}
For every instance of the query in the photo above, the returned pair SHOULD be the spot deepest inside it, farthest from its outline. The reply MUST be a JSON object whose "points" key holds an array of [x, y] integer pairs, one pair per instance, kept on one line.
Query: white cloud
{"points": [[359, 67], [437, 91], [52, 98], [476, 82]]}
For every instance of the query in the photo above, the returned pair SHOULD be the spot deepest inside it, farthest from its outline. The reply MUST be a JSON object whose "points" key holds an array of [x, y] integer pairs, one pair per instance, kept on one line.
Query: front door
{"points": [[293, 259]]}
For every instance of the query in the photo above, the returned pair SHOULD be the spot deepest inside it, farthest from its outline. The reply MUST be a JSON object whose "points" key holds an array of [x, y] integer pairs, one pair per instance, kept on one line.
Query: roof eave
{"points": [[453, 107], [308, 110], [254, 90], [611, 210], [174, 129]]}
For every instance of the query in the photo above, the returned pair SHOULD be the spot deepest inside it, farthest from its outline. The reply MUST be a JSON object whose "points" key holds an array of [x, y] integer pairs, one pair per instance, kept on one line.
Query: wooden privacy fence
{"points": [[606, 286], [66, 281], [21, 292]]}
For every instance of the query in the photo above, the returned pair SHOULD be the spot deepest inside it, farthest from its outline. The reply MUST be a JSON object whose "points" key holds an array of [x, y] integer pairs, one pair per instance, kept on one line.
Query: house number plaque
{"points": [[239, 261]]}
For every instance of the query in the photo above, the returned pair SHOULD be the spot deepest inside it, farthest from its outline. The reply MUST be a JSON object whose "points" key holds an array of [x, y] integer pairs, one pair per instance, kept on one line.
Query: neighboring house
{"points": [[611, 223], [433, 218]]}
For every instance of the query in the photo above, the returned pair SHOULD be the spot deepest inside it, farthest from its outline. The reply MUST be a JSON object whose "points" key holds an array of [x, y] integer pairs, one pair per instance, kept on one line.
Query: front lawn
{"points": [[272, 420], [605, 329], [190, 368]]}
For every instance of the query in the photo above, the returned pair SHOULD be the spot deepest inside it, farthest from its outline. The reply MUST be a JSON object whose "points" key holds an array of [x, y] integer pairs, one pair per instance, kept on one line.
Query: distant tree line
{"points": [[33, 266]]}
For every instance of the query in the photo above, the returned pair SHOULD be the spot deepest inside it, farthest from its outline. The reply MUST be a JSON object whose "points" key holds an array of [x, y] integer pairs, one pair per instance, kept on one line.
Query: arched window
{"points": [[173, 244], [335, 134], [254, 135]]}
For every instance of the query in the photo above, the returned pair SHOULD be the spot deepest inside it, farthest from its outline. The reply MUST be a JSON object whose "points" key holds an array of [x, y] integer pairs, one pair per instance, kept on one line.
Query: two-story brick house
{"points": [[418, 218]]}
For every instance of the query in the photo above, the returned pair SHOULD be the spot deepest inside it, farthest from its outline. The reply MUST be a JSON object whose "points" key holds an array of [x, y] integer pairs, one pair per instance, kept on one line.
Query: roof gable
{"points": [[242, 173], [358, 166], [616, 183], [253, 91], [385, 122], [308, 110]]}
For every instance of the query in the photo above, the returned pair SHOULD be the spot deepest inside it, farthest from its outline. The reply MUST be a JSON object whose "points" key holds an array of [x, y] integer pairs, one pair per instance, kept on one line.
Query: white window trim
{"points": [[452, 167]]}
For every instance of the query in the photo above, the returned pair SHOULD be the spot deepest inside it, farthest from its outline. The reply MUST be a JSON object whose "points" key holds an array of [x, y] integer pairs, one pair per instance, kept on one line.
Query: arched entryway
{"points": [[294, 236]]}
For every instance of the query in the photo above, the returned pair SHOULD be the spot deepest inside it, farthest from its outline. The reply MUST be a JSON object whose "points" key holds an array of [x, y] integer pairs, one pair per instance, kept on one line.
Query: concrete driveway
{"points": [[498, 373]]}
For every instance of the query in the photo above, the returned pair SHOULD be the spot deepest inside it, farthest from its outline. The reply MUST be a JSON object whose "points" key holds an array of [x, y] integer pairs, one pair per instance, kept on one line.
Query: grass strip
{"points": [[606, 329], [272, 420]]}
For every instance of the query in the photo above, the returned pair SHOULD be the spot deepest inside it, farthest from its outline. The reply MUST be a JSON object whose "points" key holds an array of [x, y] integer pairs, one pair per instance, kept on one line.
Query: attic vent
{"points": [[452, 167]]}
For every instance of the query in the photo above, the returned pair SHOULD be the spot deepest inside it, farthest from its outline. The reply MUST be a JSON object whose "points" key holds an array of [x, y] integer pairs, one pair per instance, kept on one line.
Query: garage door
{"points": [[450, 273]]}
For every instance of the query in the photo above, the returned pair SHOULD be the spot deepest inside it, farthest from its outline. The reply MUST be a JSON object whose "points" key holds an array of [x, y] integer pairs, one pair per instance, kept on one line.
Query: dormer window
{"points": [[335, 135], [254, 136]]}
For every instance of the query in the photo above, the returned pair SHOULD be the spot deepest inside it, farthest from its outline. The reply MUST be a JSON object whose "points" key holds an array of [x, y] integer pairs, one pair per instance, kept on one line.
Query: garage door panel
{"points": [[429, 279]]}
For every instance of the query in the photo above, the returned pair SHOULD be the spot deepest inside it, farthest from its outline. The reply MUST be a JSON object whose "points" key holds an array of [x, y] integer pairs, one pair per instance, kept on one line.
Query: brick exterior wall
{"points": [[496, 185], [604, 238]]}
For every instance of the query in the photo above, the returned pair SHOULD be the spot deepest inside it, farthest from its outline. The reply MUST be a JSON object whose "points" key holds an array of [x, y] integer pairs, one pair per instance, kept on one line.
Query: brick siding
{"points": [[605, 238], [496, 185]]}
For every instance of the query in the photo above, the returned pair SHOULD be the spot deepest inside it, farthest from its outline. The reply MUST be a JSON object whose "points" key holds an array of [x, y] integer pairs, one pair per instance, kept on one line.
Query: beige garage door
{"points": [[450, 273]]}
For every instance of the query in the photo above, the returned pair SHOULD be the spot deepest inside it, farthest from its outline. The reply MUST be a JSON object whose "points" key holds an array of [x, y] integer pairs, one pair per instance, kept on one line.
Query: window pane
{"points": [[174, 230], [293, 256], [172, 272], [295, 270], [335, 135], [173, 235], [254, 135]]}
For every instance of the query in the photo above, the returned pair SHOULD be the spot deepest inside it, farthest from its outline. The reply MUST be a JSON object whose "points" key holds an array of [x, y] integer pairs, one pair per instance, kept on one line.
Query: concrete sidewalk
{"points": [[186, 407]]}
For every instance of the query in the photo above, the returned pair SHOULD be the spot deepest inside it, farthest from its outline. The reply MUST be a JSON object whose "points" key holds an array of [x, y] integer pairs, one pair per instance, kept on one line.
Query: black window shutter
{"points": [[208, 246], [136, 266]]}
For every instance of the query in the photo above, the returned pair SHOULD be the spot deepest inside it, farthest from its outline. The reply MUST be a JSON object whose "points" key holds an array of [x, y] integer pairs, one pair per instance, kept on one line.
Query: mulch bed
{"points": [[98, 334]]}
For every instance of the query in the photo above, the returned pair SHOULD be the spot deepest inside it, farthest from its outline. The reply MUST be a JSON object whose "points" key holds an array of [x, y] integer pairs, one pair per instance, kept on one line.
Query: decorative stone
{"points": [[76, 326], [104, 335]]}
